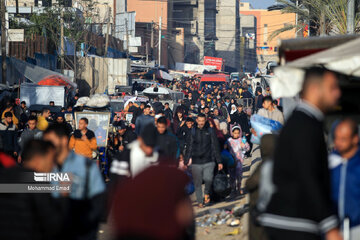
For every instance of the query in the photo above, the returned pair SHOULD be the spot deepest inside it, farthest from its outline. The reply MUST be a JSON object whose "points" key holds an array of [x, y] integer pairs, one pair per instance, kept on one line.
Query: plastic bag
{"points": [[263, 126], [221, 184], [190, 188]]}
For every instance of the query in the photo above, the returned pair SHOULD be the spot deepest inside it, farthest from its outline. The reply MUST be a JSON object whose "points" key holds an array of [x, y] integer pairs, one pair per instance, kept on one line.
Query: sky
{"points": [[260, 4]]}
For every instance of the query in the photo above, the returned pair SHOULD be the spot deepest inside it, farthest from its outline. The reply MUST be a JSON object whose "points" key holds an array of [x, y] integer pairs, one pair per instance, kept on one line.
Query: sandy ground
{"points": [[219, 231]]}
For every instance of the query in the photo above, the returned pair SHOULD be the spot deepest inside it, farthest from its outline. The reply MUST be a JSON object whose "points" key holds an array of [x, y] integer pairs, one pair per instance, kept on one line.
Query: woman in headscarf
{"points": [[233, 114]]}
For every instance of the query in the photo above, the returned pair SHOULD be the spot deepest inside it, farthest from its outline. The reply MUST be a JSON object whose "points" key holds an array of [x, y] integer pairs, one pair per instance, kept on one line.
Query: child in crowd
{"points": [[238, 146]]}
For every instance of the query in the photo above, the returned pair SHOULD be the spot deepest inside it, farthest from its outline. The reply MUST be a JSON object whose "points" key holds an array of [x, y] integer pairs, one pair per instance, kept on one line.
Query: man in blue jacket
{"points": [[345, 174], [144, 120]]}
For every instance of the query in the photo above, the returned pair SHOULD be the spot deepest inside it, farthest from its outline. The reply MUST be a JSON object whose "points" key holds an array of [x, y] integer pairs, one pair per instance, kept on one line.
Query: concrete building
{"points": [[150, 12], [228, 34], [248, 59], [267, 22], [196, 21]]}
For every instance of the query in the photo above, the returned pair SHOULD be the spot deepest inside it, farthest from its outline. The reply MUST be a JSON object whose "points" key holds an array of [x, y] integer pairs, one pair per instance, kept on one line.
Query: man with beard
{"points": [[300, 206], [203, 154], [60, 119], [345, 171]]}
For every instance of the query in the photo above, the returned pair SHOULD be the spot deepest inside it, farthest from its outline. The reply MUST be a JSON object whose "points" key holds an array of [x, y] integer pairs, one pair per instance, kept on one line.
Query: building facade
{"points": [[248, 59], [268, 22], [196, 21], [228, 34]]}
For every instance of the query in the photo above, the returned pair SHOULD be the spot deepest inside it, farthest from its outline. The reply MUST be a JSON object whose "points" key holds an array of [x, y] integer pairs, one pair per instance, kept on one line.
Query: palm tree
{"points": [[326, 17]]}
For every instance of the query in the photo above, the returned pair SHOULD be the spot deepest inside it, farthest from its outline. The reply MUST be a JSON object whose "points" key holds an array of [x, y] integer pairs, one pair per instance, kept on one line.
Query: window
{"points": [[265, 25], [241, 5]]}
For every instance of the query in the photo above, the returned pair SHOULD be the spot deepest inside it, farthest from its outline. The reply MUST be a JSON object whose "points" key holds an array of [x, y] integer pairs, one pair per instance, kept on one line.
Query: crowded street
{"points": [[180, 120]]}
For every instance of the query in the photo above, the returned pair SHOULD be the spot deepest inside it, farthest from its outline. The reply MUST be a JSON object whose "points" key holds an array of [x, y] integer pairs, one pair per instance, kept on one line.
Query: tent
{"points": [[344, 59]]}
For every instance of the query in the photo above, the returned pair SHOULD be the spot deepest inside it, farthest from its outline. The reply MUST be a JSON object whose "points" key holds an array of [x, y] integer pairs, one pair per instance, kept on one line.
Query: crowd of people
{"points": [[166, 147]]}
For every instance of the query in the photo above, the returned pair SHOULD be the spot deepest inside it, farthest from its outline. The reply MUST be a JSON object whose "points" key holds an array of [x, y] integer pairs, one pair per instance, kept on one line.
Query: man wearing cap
{"points": [[143, 120]]}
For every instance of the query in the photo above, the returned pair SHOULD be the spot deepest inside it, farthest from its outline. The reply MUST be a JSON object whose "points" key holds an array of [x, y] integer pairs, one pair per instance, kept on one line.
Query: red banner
{"points": [[213, 61]]}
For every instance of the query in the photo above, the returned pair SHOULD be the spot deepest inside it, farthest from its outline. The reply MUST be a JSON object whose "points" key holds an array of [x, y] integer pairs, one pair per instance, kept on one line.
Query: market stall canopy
{"points": [[343, 59], [35, 73]]}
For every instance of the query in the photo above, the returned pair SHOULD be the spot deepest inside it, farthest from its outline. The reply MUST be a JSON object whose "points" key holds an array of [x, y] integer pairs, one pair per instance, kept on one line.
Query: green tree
{"points": [[326, 17]]}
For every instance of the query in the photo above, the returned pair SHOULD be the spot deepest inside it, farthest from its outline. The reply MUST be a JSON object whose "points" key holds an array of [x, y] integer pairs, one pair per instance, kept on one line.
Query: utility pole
{"points": [[107, 35], [62, 44], [350, 16], [152, 39], [296, 19], [3, 41], [127, 37], [147, 52], [160, 22]]}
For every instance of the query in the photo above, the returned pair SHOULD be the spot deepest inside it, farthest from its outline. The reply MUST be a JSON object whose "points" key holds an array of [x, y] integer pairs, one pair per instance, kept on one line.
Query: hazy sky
{"points": [[260, 3]]}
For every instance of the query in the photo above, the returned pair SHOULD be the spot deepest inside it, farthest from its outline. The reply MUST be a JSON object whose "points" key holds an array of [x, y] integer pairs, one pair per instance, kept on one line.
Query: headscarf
{"points": [[233, 109]]}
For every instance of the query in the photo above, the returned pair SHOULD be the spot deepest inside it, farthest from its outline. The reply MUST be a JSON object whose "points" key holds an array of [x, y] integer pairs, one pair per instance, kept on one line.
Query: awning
{"points": [[343, 59]]}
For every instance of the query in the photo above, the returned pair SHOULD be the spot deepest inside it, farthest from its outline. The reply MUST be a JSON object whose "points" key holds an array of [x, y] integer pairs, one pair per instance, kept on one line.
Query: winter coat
{"points": [[301, 177], [82, 147], [8, 138], [345, 182], [202, 146]]}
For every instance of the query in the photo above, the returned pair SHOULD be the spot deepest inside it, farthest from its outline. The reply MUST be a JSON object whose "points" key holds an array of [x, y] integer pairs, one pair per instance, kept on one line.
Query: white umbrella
{"points": [[344, 59], [160, 91]]}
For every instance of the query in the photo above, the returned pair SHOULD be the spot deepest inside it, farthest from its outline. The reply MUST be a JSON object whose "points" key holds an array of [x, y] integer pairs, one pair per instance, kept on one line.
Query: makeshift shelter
{"points": [[40, 75]]}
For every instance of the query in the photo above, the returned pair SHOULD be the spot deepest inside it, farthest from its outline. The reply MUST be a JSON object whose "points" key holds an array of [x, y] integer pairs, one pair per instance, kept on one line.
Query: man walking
{"points": [[87, 189], [30, 133], [28, 215], [83, 141], [167, 143], [203, 154], [143, 120], [345, 170], [8, 134], [270, 111], [300, 206], [42, 122]]}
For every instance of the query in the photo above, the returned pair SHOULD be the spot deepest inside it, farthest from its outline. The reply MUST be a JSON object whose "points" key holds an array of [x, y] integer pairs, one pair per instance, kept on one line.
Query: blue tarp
{"points": [[113, 53], [47, 61]]}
